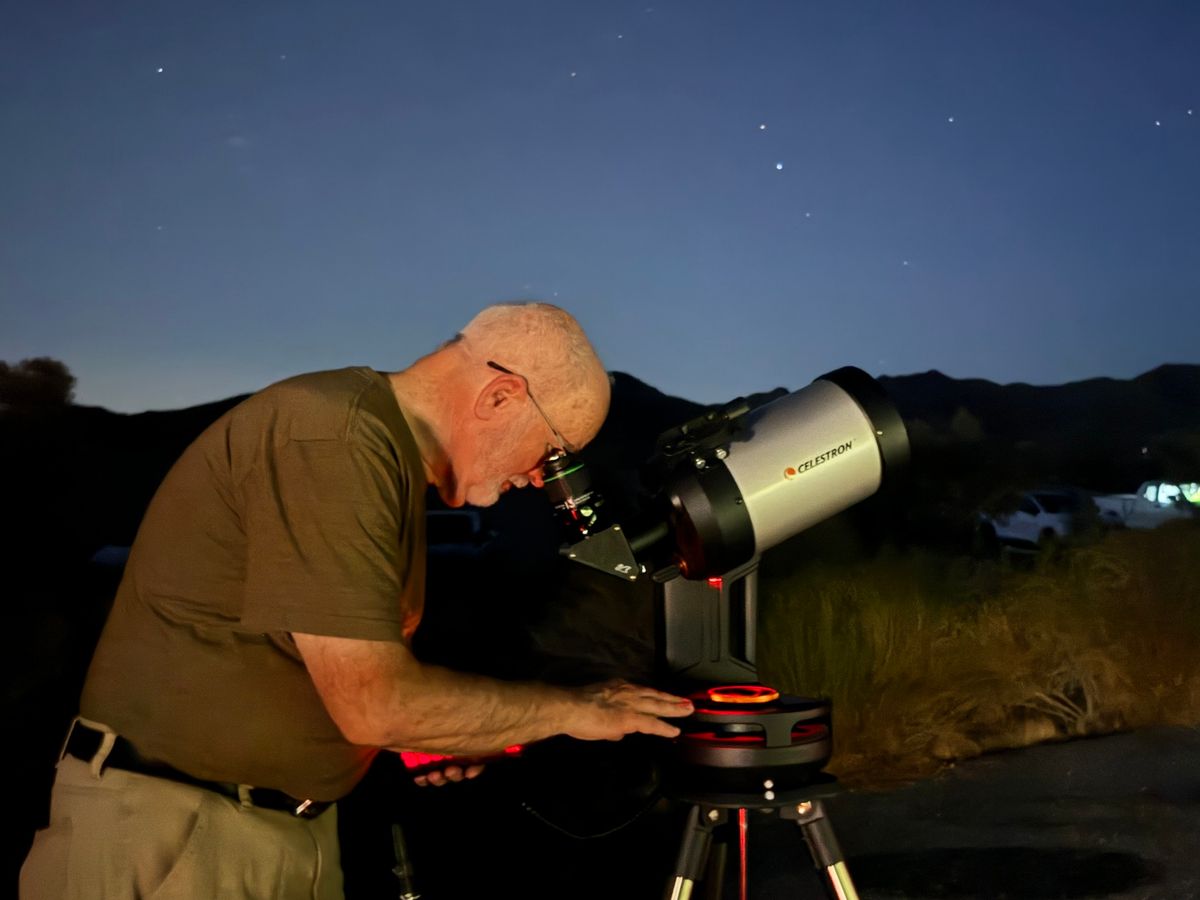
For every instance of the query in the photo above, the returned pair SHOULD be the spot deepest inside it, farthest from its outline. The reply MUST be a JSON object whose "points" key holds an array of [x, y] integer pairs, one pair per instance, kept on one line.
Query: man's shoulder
{"points": [[326, 405]]}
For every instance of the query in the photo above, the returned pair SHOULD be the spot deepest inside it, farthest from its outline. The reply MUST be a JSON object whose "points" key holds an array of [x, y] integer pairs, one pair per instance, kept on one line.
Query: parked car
{"points": [[1041, 517], [1154, 504]]}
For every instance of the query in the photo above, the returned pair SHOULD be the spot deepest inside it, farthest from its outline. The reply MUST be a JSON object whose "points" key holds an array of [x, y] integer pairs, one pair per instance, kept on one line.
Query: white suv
{"points": [[1041, 517]]}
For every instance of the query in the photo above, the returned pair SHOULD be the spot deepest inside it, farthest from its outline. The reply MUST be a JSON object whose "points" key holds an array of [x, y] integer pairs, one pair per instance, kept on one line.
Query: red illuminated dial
{"points": [[742, 693]]}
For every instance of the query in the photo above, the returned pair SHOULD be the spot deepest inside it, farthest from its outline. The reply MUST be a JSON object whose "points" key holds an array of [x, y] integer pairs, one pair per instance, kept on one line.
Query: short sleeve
{"points": [[331, 542]]}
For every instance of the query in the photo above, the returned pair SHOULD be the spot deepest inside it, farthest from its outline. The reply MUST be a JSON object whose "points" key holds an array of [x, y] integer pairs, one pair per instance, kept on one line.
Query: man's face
{"points": [[505, 455]]}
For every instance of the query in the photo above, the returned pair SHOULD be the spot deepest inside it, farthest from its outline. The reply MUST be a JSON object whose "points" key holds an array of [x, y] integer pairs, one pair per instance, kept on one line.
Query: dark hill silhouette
{"points": [[79, 477], [1124, 413]]}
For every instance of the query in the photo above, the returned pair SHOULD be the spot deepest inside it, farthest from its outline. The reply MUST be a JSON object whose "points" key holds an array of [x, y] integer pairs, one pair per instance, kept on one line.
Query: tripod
{"points": [[800, 805]]}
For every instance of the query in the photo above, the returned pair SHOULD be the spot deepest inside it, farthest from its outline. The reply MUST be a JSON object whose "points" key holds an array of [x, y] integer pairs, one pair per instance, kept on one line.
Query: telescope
{"points": [[721, 490], [731, 484]]}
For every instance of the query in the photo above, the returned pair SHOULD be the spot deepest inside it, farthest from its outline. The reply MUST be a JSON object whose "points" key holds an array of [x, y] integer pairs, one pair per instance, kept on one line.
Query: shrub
{"points": [[930, 658]]}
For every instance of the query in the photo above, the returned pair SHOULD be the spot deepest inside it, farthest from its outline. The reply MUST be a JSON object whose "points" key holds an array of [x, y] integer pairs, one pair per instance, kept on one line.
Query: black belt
{"points": [[84, 742]]}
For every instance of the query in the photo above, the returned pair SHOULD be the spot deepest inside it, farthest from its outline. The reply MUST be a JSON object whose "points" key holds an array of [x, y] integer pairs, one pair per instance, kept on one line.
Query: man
{"points": [[257, 658]]}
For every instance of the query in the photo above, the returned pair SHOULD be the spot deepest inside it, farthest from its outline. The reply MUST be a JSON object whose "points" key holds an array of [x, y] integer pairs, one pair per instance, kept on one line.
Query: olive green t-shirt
{"points": [[301, 509]]}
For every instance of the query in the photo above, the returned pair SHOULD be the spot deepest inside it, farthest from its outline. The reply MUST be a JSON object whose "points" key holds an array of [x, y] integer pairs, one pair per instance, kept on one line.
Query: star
{"points": [[950, 119], [573, 74], [808, 215], [282, 56], [1189, 112], [1157, 123], [762, 127], [779, 167], [904, 263], [159, 70]]}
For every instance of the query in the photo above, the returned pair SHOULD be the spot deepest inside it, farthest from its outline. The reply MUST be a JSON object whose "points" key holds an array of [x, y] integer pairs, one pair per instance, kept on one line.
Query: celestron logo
{"points": [[814, 461]]}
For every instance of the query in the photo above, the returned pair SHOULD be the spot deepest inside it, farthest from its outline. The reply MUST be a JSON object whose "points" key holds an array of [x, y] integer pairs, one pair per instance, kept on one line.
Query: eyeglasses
{"points": [[563, 443]]}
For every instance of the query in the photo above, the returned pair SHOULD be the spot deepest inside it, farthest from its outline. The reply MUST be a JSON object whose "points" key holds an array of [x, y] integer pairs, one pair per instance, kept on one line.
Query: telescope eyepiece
{"points": [[568, 484]]}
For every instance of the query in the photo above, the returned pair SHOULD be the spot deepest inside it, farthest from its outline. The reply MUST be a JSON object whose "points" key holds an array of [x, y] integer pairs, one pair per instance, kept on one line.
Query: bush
{"points": [[931, 658]]}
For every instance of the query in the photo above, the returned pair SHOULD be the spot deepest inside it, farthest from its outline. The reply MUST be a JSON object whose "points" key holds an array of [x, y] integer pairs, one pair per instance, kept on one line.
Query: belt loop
{"points": [[62, 751], [106, 745], [107, 741], [243, 791], [108, 738]]}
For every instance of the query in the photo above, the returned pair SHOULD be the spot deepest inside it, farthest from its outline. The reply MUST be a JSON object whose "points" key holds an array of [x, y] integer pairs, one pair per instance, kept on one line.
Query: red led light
{"points": [[742, 693], [808, 732], [414, 759], [711, 737], [716, 582]]}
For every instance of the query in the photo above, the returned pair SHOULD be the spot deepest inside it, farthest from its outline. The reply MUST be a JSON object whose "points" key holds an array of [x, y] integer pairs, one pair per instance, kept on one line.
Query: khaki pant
{"points": [[117, 835]]}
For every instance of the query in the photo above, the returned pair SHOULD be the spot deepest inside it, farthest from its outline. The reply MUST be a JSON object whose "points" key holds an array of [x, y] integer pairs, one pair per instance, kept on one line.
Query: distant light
{"points": [[950, 119], [1189, 112], [905, 263], [778, 167], [1157, 123], [762, 127], [716, 582], [159, 70], [573, 74]]}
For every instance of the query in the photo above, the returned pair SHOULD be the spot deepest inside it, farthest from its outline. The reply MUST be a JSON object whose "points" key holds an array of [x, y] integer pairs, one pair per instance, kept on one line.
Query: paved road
{"points": [[1115, 817]]}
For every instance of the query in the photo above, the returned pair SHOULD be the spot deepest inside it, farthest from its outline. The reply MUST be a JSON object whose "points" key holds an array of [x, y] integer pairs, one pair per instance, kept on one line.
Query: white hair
{"points": [[544, 344]]}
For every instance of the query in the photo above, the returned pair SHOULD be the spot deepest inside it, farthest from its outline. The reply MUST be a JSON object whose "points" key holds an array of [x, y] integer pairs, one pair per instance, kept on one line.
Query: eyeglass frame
{"points": [[563, 443]]}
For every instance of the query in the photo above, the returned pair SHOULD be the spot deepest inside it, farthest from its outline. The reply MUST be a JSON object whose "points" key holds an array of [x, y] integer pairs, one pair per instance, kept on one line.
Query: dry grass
{"points": [[930, 660]]}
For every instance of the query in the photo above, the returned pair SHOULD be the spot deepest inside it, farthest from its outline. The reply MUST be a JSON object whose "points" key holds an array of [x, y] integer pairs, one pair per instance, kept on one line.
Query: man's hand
{"points": [[380, 695], [609, 711], [439, 777]]}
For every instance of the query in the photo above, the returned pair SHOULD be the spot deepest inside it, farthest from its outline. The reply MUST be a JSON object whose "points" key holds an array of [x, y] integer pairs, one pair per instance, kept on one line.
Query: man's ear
{"points": [[499, 395]]}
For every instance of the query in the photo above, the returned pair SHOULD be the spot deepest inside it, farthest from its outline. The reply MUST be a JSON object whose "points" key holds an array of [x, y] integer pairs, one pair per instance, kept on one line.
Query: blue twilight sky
{"points": [[198, 198]]}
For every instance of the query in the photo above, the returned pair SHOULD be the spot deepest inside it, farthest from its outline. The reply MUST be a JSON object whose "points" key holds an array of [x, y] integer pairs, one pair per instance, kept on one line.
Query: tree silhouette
{"points": [[35, 384]]}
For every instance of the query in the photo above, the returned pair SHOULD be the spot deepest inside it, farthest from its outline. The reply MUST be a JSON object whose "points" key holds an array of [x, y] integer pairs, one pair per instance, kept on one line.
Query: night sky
{"points": [[197, 199]]}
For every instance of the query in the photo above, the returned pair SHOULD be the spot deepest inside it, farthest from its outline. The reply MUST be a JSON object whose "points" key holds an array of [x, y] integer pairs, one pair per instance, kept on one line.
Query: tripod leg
{"points": [[693, 851], [714, 873], [823, 845]]}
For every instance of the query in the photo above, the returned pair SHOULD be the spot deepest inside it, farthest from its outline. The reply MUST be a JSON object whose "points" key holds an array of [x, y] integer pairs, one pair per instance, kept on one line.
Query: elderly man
{"points": [[256, 658]]}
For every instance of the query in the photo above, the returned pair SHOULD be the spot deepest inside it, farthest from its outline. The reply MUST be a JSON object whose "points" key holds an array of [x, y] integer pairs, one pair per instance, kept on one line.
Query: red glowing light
{"points": [[716, 582], [711, 737], [414, 759], [742, 693], [808, 732]]}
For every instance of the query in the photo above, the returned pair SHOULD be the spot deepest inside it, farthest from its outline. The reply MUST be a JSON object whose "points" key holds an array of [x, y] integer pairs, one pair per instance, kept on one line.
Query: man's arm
{"points": [[380, 695]]}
